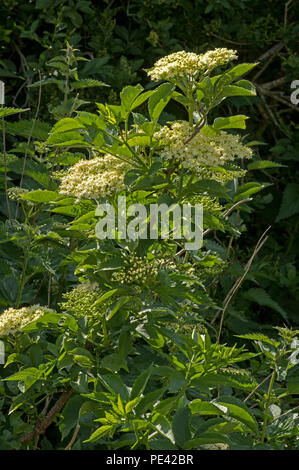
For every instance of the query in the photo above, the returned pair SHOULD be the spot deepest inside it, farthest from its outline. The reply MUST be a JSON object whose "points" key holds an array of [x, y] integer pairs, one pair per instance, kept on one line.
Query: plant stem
{"points": [[267, 406], [22, 280]]}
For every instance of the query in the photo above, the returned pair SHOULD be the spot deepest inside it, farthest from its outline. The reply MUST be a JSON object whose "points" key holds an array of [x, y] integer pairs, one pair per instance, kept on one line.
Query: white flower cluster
{"points": [[201, 149], [184, 63], [96, 178], [12, 320]]}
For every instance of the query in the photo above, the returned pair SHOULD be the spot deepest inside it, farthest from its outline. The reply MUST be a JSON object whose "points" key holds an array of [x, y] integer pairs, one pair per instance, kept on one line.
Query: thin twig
{"points": [[286, 413], [278, 98], [286, 8], [199, 126], [182, 251], [271, 53], [29, 137], [274, 83], [228, 40], [5, 169], [74, 437], [239, 281], [257, 387], [41, 427]]}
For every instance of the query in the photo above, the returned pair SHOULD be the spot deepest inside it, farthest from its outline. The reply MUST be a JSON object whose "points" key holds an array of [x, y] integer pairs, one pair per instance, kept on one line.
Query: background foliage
{"points": [[120, 40]]}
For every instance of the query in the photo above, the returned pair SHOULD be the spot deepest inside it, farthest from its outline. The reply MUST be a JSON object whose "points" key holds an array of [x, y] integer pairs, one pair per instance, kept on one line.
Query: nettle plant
{"points": [[124, 357]]}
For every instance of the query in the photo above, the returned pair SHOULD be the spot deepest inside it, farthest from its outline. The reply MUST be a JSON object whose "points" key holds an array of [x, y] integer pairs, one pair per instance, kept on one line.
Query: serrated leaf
{"points": [[29, 376], [128, 95], [205, 438], [231, 122], [41, 195], [25, 128], [235, 90], [9, 111], [201, 407], [247, 189], [261, 164], [239, 70], [163, 426], [70, 415], [87, 83], [66, 125], [131, 405], [238, 410], [261, 297], [181, 425], [290, 202], [260, 337], [159, 100], [100, 432], [141, 382], [149, 400]]}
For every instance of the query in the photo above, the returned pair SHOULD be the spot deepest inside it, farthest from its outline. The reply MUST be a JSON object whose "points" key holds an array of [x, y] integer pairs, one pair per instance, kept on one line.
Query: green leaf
{"points": [[163, 426], [205, 438], [128, 95], [115, 385], [114, 362], [67, 139], [70, 415], [261, 297], [131, 405], [236, 379], [141, 382], [87, 83], [218, 425], [149, 400], [159, 100], [29, 376], [239, 70], [201, 407], [114, 308], [36, 354], [50, 318], [101, 432], [181, 426], [109, 294], [25, 128], [260, 337], [41, 195], [261, 164], [234, 90], [65, 125], [231, 122], [9, 111], [238, 410], [141, 99], [290, 202], [247, 189], [293, 384]]}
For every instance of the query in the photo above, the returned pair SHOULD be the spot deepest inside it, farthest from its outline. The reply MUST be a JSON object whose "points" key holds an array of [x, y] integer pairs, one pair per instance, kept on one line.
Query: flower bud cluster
{"points": [[80, 300], [137, 270], [15, 193]]}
